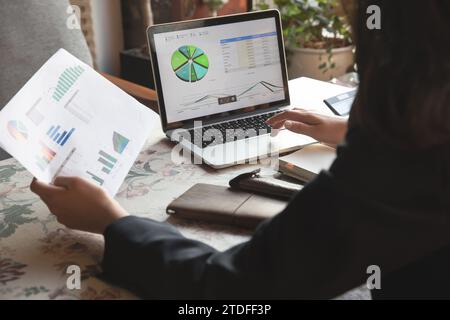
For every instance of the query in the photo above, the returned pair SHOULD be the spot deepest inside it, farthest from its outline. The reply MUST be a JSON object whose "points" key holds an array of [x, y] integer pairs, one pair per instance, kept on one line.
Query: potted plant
{"points": [[317, 37], [214, 6]]}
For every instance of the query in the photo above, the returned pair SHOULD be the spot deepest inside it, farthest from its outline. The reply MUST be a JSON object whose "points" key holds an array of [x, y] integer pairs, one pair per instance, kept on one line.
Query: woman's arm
{"points": [[313, 249], [319, 247], [307, 251], [287, 256]]}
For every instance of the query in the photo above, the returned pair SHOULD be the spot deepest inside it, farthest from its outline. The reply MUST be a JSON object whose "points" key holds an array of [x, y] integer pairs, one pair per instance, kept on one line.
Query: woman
{"points": [[385, 200]]}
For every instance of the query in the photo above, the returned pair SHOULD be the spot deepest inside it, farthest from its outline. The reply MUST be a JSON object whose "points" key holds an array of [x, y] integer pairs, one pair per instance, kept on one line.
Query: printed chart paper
{"points": [[68, 120]]}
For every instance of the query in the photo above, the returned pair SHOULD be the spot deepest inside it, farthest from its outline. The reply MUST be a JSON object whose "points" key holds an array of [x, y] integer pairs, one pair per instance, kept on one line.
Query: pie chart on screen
{"points": [[190, 63], [17, 130]]}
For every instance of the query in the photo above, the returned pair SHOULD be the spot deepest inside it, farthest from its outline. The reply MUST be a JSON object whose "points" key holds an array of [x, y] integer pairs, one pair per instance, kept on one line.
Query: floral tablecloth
{"points": [[35, 250]]}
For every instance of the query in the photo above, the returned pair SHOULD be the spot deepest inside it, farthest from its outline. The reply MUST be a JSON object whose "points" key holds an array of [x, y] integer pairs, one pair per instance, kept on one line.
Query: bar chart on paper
{"points": [[79, 108], [96, 178], [45, 156], [108, 163], [73, 162], [58, 135], [66, 81], [34, 114]]}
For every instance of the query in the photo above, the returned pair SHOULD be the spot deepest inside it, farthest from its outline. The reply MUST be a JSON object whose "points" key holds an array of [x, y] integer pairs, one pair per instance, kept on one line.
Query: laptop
{"points": [[218, 80]]}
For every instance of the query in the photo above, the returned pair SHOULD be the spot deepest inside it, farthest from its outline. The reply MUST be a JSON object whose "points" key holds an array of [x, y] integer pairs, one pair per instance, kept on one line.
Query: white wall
{"points": [[108, 34]]}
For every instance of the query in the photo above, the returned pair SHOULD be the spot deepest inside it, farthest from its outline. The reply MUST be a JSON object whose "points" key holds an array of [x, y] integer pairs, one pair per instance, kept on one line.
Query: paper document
{"points": [[68, 120], [309, 94], [307, 163]]}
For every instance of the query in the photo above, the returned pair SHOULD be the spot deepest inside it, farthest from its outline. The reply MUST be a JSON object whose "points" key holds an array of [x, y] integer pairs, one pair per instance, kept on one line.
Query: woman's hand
{"points": [[79, 204], [326, 129]]}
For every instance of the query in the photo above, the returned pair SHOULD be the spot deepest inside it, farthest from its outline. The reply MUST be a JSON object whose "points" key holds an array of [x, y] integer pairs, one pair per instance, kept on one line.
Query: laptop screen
{"points": [[220, 68]]}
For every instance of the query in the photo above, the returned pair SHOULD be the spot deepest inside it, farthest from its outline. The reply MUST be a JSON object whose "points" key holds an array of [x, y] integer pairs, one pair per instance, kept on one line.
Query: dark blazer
{"points": [[375, 206]]}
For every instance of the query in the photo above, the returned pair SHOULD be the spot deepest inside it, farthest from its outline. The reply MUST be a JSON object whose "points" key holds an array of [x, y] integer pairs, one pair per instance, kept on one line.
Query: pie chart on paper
{"points": [[17, 130], [190, 63]]}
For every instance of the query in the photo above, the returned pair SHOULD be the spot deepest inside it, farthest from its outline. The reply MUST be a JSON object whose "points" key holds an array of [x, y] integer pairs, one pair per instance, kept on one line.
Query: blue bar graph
{"points": [[58, 137], [54, 131], [61, 137], [50, 130], [67, 137]]}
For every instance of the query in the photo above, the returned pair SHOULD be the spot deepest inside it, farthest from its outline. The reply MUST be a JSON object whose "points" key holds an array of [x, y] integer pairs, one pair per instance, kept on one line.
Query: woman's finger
{"points": [[278, 124], [299, 127], [294, 115], [307, 119], [65, 182], [302, 110]]}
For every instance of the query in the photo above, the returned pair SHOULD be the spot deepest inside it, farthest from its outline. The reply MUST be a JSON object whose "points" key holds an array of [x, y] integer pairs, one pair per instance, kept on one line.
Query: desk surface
{"points": [[35, 250]]}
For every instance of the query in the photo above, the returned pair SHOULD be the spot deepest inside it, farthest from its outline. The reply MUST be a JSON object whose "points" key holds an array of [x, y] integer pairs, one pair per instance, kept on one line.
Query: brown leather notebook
{"points": [[220, 204]]}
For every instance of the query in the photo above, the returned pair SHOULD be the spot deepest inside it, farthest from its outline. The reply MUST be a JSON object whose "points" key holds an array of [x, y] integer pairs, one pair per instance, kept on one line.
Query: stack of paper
{"points": [[306, 163]]}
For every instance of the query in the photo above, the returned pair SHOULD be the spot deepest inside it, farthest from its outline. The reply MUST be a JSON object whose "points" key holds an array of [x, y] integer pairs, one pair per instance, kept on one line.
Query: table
{"points": [[35, 250]]}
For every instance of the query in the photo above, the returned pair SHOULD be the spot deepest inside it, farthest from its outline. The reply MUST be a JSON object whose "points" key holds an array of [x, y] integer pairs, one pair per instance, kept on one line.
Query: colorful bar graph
{"points": [[48, 153], [45, 157]]}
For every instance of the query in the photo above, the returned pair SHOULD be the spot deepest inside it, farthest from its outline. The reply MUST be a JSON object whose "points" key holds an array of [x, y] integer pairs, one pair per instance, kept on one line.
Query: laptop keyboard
{"points": [[233, 130]]}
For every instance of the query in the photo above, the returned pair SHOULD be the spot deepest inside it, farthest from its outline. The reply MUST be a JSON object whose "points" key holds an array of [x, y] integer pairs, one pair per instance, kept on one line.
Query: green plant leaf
{"points": [[313, 24]]}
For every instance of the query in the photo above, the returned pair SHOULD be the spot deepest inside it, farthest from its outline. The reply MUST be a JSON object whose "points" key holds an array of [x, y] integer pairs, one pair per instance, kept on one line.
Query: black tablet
{"points": [[341, 104]]}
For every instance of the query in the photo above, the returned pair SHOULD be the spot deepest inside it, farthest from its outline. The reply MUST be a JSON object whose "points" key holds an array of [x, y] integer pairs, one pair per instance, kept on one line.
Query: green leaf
{"points": [[307, 20]]}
